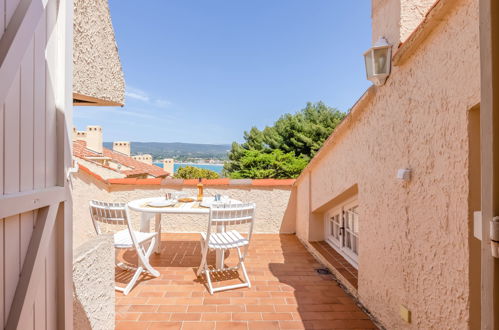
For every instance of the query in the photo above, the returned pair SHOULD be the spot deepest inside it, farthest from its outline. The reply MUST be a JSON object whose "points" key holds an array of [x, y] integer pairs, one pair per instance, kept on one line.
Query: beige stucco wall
{"points": [[93, 284], [413, 236], [397, 19], [97, 68], [412, 12], [275, 211]]}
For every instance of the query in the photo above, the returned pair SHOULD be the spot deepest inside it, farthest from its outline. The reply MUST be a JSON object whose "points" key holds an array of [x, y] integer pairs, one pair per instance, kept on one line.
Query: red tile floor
{"points": [[286, 291]]}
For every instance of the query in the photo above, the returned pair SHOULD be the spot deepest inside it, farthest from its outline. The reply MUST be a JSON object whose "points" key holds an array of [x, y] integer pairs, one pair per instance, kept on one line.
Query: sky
{"points": [[206, 71]]}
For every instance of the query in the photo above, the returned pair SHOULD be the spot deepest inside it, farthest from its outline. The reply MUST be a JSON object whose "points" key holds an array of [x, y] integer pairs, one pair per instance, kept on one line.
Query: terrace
{"points": [[289, 287], [287, 292]]}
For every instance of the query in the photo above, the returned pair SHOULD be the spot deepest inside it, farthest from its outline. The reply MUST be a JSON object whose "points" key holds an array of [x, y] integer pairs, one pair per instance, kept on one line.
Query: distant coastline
{"points": [[191, 164], [213, 167]]}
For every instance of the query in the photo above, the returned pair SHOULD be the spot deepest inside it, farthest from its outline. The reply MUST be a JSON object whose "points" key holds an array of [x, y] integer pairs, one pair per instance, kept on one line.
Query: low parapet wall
{"points": [[274, 200]]}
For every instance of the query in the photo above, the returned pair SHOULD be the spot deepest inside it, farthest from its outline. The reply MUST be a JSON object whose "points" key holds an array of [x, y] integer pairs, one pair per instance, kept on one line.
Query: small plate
{"points": [[162, 203]]}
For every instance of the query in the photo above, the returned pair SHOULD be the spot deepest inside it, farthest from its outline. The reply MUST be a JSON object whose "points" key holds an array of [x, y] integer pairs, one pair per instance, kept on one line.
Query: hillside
{"points": [[178, 150]]}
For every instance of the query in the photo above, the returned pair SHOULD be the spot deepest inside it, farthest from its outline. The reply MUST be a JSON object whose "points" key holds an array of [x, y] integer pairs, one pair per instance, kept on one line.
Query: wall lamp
{"points": [[378, 60]]}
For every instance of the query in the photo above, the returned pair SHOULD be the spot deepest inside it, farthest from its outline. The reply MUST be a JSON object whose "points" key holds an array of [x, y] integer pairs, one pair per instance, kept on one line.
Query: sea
{"points": [[213, 167]]}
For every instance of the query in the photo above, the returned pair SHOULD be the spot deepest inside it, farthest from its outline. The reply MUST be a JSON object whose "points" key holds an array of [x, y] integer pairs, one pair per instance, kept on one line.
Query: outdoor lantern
{"points": [[378, 61]]}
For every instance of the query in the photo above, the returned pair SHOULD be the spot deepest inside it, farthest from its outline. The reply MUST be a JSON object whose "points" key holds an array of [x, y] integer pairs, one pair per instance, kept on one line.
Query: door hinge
{"points": [[494, 236]]}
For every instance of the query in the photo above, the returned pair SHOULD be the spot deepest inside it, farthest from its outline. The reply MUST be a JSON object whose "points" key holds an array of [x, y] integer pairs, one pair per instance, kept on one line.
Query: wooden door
{"points": [[35, 209]]}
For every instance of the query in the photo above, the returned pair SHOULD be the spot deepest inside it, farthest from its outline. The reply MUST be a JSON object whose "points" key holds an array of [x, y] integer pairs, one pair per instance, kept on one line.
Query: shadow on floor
{"points": [[286, 292]]}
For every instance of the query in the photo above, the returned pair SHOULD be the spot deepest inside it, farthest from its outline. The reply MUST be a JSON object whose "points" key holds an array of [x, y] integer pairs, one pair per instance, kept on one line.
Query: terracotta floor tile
{"points": [[164, 325], [201, 308], [277, 316], [231, 326], [186, 317], [246, 316], [286, 292], [263, 325], [231, 308], [291, 325], [131, 325], [143, 308], [216, 317], [154, 317], [122, 316], [171, 308], [122, 308], [216, 301], [198, 325], [260, 308]]}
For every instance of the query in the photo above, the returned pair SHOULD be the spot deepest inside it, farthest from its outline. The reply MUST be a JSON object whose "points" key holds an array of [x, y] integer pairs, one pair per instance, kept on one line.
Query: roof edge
{"points": [[168, 182], [342, 127], [432, 19]]}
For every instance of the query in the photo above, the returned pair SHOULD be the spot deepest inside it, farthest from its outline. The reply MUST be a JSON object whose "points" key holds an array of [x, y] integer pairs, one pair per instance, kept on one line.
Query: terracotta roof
{"points": [[190, 182], [80, 150]]}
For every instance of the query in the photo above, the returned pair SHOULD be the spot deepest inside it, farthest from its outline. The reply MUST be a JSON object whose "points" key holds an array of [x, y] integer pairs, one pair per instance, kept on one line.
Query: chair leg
{"points": [[144, 259], [203, 260], [132, 282], [243, 267], [208, 279], [246, 282]]}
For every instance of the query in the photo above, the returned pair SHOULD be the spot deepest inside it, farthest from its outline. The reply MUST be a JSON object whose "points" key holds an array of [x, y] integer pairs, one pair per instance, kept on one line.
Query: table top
{"points": [[140, 205]]}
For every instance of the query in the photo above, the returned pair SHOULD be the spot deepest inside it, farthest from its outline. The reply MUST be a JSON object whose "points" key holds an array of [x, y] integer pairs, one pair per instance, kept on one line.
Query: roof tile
{"points": [[80, 150]]}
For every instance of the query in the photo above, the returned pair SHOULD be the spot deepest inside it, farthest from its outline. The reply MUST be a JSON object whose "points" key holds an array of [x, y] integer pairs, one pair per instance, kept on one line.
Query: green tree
{"points": [[298, 136], [191, 172], [276, 165]]}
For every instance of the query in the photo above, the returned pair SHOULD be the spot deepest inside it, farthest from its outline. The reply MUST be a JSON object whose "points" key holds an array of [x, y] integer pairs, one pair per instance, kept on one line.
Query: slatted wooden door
{"points": [[35, 210]]}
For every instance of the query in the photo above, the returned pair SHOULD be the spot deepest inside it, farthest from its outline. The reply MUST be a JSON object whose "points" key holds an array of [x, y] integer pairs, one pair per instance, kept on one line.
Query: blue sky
{"points": [[205, 71]]}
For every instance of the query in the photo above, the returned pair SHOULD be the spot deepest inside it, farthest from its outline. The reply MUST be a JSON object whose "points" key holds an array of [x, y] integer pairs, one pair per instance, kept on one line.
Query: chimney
{"points": [[145, 158], [79, 135], [168, 165], [94, 138], [122, 147]]}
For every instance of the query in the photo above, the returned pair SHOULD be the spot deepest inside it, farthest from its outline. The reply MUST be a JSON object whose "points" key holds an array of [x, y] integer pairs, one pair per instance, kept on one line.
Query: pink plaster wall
{"points": [[413, 236]]}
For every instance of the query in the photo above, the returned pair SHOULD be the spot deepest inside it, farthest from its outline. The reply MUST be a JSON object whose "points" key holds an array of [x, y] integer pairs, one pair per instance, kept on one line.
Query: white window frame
{"points": [[337, 231]]}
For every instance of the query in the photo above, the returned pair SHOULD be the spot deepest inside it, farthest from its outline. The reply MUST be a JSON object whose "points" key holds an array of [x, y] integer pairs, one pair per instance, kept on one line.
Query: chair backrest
{"points": [[109, 213], [232, 214]]}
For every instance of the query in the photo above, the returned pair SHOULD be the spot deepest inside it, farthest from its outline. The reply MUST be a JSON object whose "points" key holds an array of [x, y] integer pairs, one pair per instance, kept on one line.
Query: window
{"points": [[342, 230]]}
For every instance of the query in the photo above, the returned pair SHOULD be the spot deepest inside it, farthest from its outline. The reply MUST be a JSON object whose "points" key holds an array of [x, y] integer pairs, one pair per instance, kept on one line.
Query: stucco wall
{"points": [[93, 285], [100, 170], [413, 236], [275, 211], [97, 68], [397, 19]]}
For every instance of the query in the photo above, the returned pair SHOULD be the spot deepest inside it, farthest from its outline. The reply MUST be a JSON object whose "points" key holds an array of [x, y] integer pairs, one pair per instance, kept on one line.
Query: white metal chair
{"points": [[117, 214], [222, 216]]}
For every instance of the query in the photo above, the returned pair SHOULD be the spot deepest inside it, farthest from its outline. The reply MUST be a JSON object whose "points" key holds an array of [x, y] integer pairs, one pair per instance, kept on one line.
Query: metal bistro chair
{"points": [[225, 215], [117, 214]]}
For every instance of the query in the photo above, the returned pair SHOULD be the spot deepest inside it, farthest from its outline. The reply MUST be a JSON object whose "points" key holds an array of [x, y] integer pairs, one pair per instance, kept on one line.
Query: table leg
{"points": [[220, 254], [157, 229], [145, 222]]}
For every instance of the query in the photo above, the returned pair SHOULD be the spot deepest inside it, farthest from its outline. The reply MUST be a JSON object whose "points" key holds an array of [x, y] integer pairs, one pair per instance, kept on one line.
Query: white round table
{"points": [[147, 212]]}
